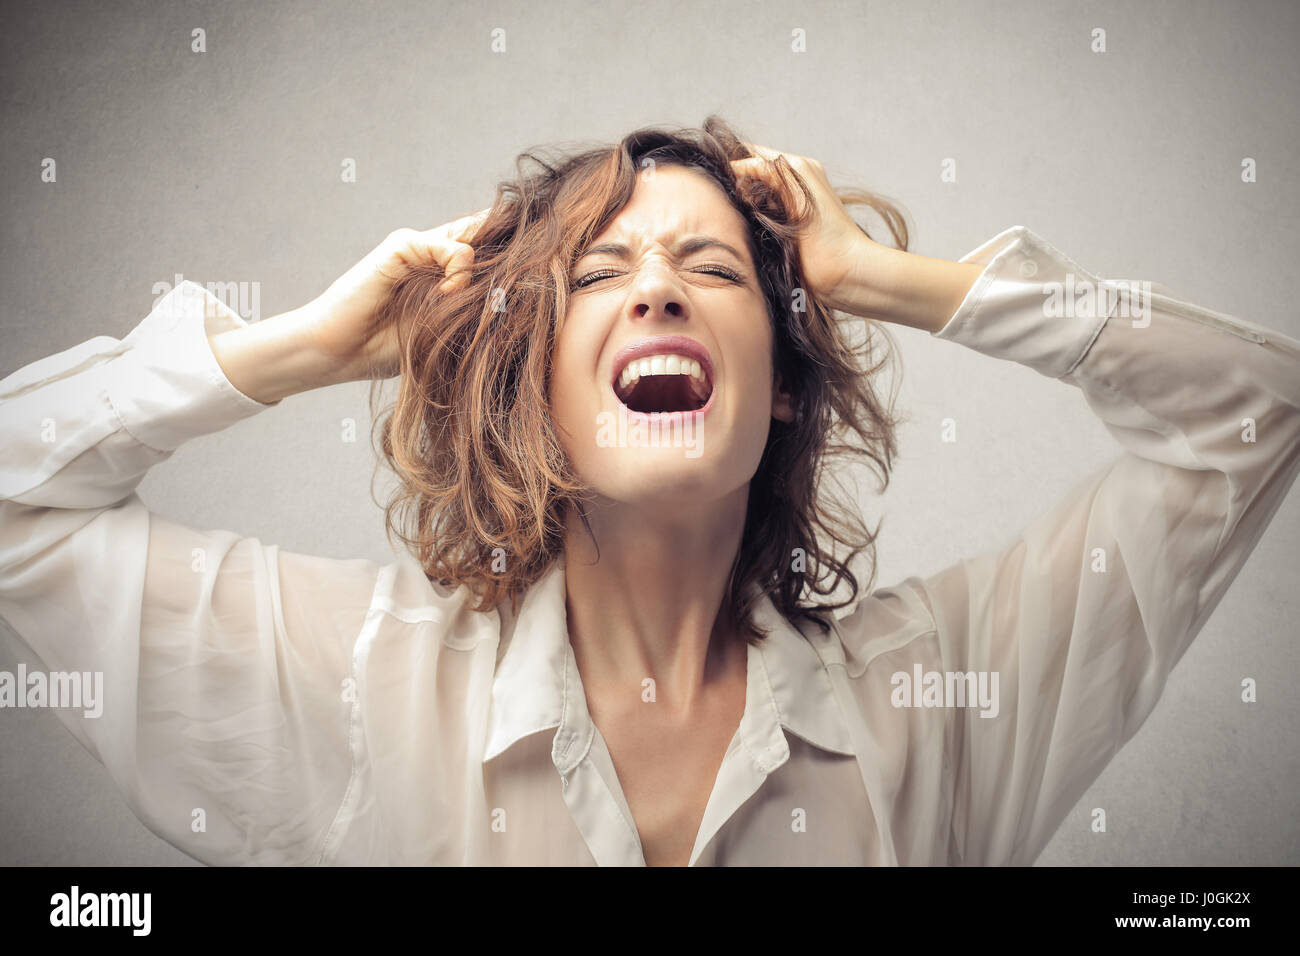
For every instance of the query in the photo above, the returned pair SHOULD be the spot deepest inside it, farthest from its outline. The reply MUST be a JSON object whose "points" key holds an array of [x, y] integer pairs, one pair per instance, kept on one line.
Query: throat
{"points": [[665, 393]]}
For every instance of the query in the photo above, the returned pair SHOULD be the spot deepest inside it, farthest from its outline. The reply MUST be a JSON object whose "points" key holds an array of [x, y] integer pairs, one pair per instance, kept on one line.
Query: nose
{"points": [[658, 294]]}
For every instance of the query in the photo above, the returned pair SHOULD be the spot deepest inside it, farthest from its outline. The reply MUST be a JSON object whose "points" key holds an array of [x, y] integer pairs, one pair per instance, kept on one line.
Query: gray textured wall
{"points": [[225, 166]]}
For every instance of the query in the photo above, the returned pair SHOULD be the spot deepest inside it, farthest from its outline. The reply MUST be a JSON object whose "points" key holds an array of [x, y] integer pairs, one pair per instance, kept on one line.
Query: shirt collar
{"points": [[536, 686]]}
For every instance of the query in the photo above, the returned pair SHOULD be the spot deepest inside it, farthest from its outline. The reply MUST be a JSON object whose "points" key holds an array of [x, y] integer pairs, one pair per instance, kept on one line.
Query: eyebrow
{"points": [[684, 247]]}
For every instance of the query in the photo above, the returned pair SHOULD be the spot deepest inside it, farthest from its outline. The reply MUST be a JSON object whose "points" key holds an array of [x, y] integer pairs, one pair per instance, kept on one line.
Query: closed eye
{"points": [[596, 276]]}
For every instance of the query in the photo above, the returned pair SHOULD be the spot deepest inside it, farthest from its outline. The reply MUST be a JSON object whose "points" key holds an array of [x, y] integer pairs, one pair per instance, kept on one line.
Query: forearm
{"points": [[82, 427], [889, 285], [274, 358]]}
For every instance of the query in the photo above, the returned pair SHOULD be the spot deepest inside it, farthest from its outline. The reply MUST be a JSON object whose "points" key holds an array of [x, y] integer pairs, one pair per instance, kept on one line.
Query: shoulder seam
{"points": [[924, 626], [886, 647]]}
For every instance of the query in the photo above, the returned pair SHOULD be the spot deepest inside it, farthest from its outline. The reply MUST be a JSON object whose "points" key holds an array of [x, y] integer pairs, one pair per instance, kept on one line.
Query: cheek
{"points": [[755, 362], [755, 420], [572, 378], [751, 402]]}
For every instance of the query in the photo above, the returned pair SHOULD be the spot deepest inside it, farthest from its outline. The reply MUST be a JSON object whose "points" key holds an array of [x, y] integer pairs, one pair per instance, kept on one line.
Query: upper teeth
{"points": [[661, 365]]}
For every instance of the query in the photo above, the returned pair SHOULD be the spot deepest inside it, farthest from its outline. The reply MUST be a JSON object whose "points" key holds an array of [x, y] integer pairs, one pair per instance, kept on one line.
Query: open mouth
{"points": [[663, 383]]}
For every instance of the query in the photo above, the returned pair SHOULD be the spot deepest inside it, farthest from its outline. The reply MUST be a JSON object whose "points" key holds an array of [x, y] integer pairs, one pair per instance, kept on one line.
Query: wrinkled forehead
{"points": [[670, 202]]}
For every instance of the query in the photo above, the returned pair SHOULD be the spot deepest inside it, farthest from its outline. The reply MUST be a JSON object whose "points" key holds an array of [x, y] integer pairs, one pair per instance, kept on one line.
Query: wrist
{"points": [[274, 358], [865, 288], [890, 285]]}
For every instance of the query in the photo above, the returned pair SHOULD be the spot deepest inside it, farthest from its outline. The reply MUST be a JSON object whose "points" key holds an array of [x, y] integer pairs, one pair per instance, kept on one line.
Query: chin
{"points": [[664, 476]]}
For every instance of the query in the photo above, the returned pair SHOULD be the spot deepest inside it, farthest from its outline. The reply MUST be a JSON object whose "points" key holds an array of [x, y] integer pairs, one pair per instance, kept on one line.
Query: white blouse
{"points": [[263, 707]]}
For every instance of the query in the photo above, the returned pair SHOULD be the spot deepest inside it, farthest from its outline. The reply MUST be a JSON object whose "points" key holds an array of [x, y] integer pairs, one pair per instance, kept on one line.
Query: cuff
{"points": [[1032, 304], [167, 387]]}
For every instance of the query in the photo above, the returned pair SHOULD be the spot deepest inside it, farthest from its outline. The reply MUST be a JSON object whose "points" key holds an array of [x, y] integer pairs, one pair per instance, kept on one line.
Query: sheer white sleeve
{"points": [[222, 715], [1087, 612]]}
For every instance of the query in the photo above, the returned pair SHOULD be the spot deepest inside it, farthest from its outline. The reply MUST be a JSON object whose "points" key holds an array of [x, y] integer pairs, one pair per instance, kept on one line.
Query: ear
{"points": [[782, 405]]}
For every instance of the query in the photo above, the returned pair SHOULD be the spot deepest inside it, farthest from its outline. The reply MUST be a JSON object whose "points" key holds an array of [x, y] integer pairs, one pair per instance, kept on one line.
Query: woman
{"points": [[606, 648]]}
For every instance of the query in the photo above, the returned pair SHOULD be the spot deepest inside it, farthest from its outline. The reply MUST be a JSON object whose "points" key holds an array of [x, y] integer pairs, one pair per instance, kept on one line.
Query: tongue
{"points": [[664, 393]]}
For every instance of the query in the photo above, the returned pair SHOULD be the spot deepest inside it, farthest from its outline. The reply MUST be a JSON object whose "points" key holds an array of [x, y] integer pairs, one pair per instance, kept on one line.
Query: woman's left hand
{"points": [[833, 247]]}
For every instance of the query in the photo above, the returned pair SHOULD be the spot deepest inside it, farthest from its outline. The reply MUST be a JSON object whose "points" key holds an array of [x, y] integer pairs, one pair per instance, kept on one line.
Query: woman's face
{"points": [[682, 242]]}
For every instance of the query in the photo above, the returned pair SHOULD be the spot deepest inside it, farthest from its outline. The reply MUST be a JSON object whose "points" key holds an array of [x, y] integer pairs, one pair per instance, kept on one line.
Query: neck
{"points": [[650, 605]]}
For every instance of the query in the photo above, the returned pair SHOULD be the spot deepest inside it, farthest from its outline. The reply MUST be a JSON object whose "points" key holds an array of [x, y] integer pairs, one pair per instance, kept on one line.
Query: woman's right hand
{"points": [[344, 315]]}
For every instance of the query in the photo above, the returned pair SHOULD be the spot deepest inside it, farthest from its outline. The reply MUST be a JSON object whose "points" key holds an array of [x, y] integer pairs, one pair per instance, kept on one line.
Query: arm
{"points": [[1085, 614], [271, 360], [222, 659], [902, 287]]}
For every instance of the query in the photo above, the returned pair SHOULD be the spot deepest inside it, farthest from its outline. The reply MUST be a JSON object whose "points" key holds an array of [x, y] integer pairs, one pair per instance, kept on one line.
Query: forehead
{"points": [[670, 201]]}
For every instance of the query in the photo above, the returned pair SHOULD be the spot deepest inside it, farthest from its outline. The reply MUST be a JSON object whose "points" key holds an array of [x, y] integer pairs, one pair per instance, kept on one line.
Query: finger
{"points": [[758, 168], [432, 246], [457, 268], [760, 164], [767, 152], [459, 264], [466, 227], [755, 167]]}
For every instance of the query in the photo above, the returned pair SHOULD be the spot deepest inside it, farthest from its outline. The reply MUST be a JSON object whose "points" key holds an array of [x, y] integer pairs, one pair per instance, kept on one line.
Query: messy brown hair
{"points": [[484, 483]]}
